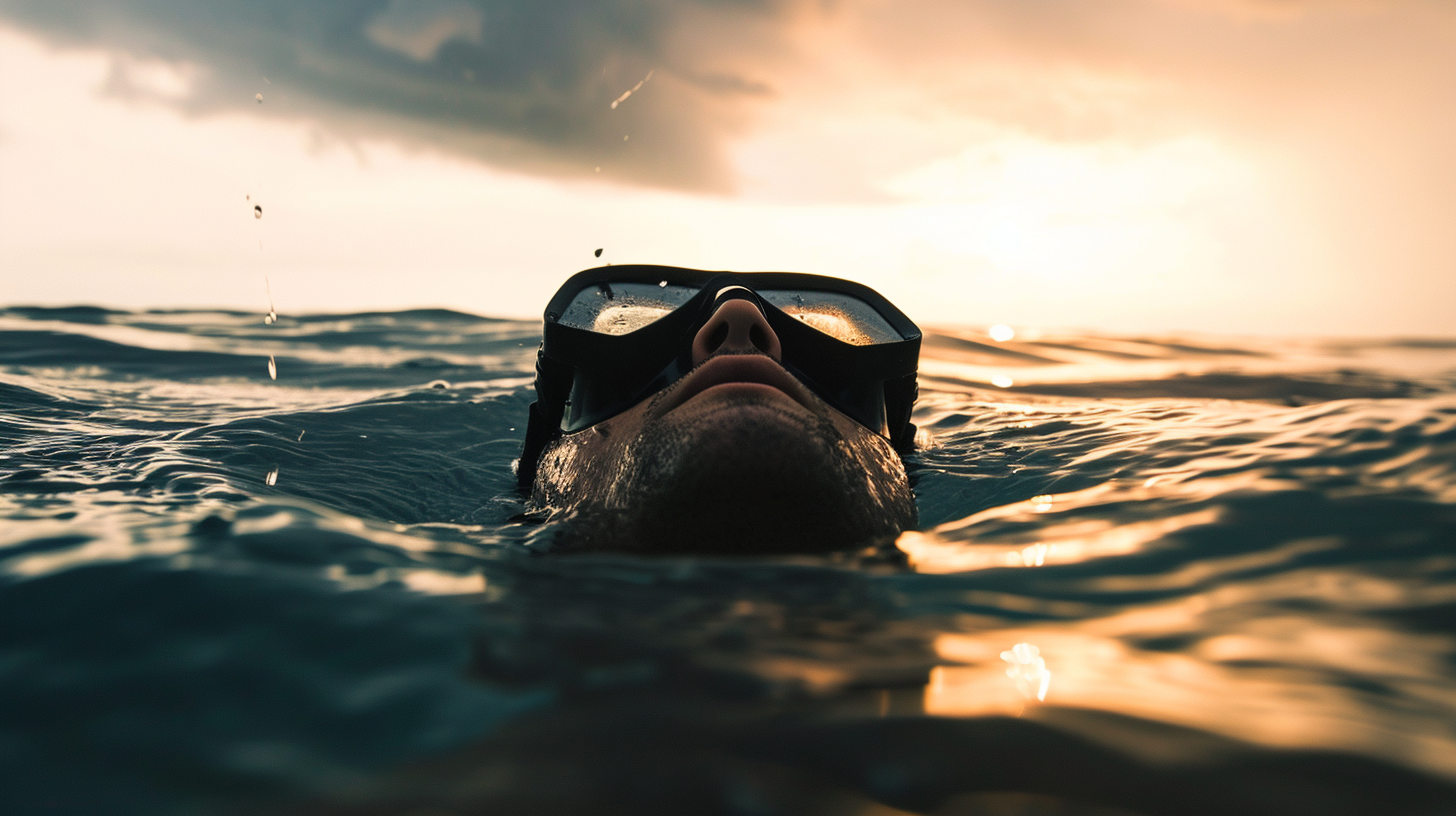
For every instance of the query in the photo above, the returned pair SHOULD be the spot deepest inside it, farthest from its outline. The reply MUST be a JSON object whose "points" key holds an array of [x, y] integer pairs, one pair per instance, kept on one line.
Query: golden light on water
{"points": [[972, 543], [436, 582], [1254, 679], [1224, 659], [1028, 670]]}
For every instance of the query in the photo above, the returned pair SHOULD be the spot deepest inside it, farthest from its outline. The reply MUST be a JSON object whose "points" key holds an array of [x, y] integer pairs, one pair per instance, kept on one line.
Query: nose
{"points": [[738, 327]]}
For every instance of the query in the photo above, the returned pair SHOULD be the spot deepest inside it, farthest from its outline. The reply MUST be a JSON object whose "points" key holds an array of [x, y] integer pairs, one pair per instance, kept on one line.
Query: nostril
{"points": [[758, 338], [736, 327], [718, 336]]}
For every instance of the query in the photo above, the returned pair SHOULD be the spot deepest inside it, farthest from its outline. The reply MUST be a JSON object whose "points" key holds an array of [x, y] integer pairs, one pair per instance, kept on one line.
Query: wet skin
{"points": [[738, 456]]}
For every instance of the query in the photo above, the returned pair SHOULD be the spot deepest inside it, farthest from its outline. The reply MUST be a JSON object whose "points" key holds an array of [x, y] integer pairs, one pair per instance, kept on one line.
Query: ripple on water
{"points": [[1155, 575]]}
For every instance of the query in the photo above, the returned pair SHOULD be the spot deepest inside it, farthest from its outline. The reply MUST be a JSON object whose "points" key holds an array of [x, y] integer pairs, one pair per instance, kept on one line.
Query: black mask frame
{"points": [[584, 377]]}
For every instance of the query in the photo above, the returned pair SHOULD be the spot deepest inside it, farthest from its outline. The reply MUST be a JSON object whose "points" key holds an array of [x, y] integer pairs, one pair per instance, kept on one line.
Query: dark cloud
{"points": [[516, 83]]}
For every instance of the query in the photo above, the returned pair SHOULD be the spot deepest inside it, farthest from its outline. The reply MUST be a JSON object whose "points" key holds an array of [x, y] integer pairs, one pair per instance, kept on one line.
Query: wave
{"points": [[1154, 575]]}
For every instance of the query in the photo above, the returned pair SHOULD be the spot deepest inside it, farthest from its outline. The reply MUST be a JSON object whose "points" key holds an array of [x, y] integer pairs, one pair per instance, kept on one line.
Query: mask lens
{"points": [[843, 317], [620, 308]]}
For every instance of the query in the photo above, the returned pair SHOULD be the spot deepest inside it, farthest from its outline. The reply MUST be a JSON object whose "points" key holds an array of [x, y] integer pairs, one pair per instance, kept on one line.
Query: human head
{"points": [[692, 414]]}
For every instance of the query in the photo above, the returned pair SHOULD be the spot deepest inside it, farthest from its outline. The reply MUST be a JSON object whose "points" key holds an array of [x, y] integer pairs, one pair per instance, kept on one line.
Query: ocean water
{"points": [[1154, 575]]}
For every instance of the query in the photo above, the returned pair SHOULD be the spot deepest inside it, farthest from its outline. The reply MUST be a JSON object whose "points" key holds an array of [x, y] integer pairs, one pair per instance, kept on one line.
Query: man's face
{"points": [[738, 456]]}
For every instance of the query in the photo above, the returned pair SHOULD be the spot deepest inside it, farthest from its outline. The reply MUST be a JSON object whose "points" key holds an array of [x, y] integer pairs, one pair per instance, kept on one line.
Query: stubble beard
{"points": [[746, 476]]}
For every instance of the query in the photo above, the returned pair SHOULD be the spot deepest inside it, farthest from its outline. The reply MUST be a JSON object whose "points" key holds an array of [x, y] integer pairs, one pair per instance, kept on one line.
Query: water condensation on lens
{"points": [[834, 324], [628, 315], [843, 317], [623, 307]]}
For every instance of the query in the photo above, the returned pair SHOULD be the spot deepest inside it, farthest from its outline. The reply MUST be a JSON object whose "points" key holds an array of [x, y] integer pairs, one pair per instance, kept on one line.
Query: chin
{"points": [[748, 475]]}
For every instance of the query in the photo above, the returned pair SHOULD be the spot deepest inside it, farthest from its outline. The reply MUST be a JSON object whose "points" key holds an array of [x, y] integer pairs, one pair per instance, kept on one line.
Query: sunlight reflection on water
{"points": [[1236, 538], [1268, 680]]}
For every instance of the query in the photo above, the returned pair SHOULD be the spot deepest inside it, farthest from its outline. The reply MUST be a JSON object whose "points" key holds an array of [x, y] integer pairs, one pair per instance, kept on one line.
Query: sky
{"points": [[1128, 166]]}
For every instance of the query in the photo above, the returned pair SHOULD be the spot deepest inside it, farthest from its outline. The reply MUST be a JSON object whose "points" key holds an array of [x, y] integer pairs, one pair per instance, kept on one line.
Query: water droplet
{"points": [[625, 137], [258, 97], [598, 253], [272, 368], [662, 284], [635, 88], [442, 384], [272, 316], [257, 210], [599, 170], [272, 477]]}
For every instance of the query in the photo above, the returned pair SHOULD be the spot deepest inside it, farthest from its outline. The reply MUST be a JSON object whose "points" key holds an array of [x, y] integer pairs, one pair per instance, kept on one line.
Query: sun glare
{"points": [[1057, 213]]}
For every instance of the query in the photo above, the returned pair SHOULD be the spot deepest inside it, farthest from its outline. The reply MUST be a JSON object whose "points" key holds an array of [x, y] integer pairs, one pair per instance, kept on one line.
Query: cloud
{"points": [[813, 100], [1216, 163], [418, 28], [515, 83]]}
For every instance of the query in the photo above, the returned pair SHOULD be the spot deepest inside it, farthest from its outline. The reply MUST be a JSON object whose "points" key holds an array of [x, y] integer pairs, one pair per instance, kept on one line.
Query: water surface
{"points": [[1154, 575]]}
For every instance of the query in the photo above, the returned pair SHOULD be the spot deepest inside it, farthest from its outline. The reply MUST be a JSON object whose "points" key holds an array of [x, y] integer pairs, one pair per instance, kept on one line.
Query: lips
{"points": [[735, 368]]}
